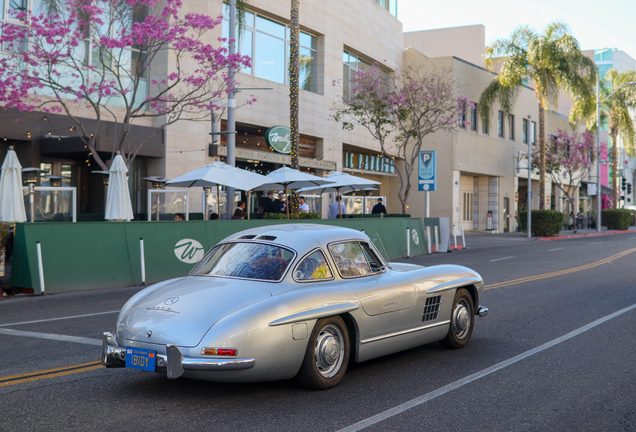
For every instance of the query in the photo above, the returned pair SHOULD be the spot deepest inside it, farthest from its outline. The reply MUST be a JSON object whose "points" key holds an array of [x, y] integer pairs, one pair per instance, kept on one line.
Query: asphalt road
{"points": [[556, 353]]}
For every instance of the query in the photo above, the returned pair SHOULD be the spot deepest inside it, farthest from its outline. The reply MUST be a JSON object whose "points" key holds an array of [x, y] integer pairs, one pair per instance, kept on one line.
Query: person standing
{"points": [[379, 207], [304, 208], [268, 203], [279, 203], [337, 209]]}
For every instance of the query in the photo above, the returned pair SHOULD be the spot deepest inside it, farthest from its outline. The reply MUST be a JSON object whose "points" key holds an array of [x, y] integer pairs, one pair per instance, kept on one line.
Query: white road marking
{"points": [[474, 377], [596, 243], [58, 319], [49, 336], [499, 259], [552, 250]]}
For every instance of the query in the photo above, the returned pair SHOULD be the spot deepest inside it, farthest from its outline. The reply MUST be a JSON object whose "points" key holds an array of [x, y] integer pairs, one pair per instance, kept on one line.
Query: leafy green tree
{"points": [[551, 61]]}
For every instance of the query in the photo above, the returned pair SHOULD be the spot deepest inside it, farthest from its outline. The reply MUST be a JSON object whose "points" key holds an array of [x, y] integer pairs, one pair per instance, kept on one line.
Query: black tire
{"points": [[327, 355], [462, 321]]}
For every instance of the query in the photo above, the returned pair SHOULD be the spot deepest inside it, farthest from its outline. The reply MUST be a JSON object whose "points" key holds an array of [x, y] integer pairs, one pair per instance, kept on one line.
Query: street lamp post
{"points": [[529, 200], [598, 144]]}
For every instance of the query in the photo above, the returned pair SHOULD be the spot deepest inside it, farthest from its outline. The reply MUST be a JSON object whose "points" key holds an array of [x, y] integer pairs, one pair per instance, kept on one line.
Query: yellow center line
{"points": [[560, 272], [49, 373]]}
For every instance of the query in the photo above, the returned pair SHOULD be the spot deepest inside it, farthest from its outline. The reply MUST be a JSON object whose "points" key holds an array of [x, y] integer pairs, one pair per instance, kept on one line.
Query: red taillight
{"points": [[219, 351]]}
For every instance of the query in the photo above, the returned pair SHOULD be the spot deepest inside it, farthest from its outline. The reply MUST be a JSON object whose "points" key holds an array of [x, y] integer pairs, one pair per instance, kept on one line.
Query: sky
{"points": [[596, 24]]}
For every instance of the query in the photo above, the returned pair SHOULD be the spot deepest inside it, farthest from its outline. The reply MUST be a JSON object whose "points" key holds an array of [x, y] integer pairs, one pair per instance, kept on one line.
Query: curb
{"points": [[584, 235]]}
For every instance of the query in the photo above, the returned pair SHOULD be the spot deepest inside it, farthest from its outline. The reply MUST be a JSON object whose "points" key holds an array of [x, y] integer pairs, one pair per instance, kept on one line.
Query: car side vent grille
{"points": [[247, 237], [431, 308], [266, 237]]}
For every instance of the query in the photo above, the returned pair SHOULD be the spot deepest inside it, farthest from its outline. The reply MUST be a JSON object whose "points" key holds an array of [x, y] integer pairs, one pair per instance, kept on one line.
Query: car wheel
{"points": [[462, 321], [327, 355]]}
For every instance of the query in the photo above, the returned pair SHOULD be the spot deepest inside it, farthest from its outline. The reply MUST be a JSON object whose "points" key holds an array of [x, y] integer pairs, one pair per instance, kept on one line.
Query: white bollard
{"points": [[463, 239], [38, 249], [428, 240], [436, 238], [455, 235], [408, 242], [143, 261]]}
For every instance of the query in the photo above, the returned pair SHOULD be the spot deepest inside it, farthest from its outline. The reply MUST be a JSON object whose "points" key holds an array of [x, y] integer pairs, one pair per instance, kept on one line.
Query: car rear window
{"points": [[245, 260]]}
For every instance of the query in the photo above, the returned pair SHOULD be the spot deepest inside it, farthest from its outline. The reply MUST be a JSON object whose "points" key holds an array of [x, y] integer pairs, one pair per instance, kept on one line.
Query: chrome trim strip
{"points": [[316, 313], [175, 363], [455, 284], [387, 336]]}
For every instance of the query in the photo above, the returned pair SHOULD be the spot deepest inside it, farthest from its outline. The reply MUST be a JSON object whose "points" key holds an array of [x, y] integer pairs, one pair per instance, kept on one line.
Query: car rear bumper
{"points": [[173, 361]]}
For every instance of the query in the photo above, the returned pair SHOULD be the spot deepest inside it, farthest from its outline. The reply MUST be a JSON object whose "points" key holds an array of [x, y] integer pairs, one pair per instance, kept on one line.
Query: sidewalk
{"points": [[486, 239]]}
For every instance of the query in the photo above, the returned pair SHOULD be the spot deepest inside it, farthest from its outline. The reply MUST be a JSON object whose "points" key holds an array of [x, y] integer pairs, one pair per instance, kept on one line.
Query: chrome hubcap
{"points": [[461, 319], [329, 351]]}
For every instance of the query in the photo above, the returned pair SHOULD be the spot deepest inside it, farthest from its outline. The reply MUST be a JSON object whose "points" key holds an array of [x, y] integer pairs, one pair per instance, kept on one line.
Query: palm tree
{"points": [[294, 88], [618, 106], [552, 61], [618, 98]]}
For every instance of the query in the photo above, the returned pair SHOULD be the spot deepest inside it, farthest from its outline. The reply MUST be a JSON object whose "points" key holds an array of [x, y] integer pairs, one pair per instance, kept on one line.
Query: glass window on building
{"points": [[533, 132], [484, 127], [351, 65], [511, 127], [266, 42], [390, 5], [524, 131], [473, 117], [462, 116], [500, 124], [603, 55]]}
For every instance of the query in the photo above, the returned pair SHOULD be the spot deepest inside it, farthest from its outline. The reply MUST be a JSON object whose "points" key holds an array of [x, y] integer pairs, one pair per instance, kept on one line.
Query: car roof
{"points": [[299, 236]]}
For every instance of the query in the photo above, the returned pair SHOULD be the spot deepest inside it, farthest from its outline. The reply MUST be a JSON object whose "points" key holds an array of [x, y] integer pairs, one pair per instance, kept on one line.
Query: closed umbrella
{"points": [[343, 183], [118, 205], [219, 173], [11, 195], [288, 178]]}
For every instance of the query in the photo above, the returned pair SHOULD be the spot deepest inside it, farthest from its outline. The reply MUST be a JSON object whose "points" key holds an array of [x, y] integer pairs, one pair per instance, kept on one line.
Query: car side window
{"points": [[313, 267], [374, 260], [350, 259]]}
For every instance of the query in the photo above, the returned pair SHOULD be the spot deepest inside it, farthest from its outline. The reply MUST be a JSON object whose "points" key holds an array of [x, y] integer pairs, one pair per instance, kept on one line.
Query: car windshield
{"points": [[245, 260]]}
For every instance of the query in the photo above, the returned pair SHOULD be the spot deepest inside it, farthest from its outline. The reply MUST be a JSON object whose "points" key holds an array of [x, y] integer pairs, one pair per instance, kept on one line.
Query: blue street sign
{"points": [[427, 171]]}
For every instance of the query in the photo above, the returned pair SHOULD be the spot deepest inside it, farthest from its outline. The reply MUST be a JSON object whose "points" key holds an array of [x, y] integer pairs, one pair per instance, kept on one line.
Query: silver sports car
{"points": [[286, 301]]}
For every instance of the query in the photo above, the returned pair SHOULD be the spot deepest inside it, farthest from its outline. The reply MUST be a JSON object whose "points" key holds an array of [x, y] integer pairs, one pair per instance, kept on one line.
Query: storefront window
{"points": [[267, 43]]}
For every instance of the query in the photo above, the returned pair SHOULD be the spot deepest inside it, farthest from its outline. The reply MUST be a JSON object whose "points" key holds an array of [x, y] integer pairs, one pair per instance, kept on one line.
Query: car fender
{"points": [[276, 330]]}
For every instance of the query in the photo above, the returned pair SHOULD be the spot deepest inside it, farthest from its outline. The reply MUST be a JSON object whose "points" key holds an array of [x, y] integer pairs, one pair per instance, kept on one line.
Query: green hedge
{"points": [[618, 219], [545, 223]]}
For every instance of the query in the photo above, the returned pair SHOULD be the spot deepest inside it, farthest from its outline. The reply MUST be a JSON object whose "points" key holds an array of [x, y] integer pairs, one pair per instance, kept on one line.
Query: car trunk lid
{"points": [[182, 312]]}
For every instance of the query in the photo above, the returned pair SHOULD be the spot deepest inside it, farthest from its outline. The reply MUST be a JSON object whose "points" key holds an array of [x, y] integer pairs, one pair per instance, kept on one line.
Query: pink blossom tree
{"points": [[415, 105], [569, 159], [124, 61]]}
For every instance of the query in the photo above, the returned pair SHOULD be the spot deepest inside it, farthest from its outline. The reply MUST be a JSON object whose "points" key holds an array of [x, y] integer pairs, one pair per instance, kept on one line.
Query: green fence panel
{"points": [[74, 256], [107, 254], [171, 248]]}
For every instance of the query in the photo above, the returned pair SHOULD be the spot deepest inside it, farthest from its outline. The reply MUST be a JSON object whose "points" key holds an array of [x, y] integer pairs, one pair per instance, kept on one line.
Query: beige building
{"points": [[482, 167], [336, 40]]}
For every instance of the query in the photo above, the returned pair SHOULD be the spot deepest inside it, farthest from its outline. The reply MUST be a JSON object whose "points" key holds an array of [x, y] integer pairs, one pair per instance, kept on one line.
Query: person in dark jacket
{"points": [[379, 207], [268, 203], [279, 203]]}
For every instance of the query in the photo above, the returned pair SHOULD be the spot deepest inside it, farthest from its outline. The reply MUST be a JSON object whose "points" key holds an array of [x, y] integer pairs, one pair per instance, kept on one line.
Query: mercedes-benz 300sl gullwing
{"points": [[285, 301]]}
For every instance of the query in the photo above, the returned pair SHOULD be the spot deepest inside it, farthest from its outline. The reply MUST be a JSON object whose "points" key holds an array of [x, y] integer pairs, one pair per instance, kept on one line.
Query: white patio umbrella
{"points": [[11, 196], [288, 178], [343, 183], [118, 205], [219, 173]]}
